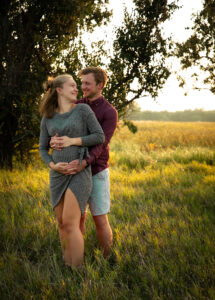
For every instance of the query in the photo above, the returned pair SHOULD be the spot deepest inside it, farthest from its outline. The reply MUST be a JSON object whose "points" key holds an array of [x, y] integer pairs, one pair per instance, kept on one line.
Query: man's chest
{"points": [[99, 113]]}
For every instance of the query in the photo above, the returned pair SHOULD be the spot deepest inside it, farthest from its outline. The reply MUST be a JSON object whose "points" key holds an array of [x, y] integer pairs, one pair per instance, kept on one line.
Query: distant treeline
{"points": [[183, 116]]}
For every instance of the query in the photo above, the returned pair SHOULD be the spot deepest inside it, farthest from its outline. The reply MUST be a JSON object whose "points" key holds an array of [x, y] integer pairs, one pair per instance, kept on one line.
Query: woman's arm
{"points": [[60, 167], [58, 143], [44, 143], [95, 136]]}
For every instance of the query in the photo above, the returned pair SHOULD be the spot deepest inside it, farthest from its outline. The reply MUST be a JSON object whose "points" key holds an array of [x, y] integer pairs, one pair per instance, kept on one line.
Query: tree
{"points": [[199, 49], [33, 35], [139, 68]]}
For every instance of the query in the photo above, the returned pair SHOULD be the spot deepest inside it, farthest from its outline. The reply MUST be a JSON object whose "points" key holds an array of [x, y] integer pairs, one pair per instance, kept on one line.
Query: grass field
{"points": [[162, 215]]}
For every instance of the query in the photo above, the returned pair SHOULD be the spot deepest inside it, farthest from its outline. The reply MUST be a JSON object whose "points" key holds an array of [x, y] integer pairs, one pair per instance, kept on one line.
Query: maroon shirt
{"points": [[107, 117]]}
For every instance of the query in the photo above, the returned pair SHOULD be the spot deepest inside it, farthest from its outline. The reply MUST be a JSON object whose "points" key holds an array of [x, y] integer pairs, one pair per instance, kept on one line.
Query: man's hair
{"points": [[99, 74]]}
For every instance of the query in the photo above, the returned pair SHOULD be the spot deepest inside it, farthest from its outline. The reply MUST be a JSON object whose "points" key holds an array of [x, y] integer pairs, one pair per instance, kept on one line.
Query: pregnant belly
{"points": [[66, 154]]}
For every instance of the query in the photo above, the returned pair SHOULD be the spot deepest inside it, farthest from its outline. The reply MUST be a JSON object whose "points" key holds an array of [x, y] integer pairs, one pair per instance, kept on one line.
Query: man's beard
{"points": [[91, 95]]}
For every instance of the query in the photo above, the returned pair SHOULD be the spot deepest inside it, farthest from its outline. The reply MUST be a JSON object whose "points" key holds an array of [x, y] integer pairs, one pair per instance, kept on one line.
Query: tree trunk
{"points": [[6, 155], [8, 128]]}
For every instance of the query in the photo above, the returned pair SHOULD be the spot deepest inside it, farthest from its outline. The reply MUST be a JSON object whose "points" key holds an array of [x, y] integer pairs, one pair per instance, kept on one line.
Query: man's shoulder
{"points": [[84, 107], [83, 100], [109, 108]]}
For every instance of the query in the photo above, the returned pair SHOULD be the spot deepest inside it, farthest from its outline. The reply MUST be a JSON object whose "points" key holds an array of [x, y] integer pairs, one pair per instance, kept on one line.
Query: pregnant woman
{"points": [[69, 193]]}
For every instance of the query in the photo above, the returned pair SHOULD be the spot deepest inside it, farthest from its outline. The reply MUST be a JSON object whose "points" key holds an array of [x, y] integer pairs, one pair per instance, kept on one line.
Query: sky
{"points": [[171, 97]]}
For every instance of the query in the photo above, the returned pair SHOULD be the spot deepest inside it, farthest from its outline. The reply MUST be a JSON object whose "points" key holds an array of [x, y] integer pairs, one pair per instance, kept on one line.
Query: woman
{"points": [[69, 193]]}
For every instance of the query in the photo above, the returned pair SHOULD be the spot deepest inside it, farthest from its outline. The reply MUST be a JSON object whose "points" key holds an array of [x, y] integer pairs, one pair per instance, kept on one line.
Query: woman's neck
{"points": [[64, 107]]}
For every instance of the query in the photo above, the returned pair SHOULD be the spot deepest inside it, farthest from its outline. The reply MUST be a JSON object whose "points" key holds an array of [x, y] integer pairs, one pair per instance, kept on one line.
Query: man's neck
{"points": [[94, 98]]}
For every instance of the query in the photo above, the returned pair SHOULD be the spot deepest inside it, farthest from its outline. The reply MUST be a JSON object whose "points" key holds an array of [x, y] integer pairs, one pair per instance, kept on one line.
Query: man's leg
{"points": [[82, 223], [104, 233], [99, 203]]}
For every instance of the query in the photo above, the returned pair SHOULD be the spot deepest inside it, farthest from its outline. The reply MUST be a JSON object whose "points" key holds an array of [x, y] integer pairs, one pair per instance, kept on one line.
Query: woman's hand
{"points": [[63, 168], [54, 142], [60, 142]]}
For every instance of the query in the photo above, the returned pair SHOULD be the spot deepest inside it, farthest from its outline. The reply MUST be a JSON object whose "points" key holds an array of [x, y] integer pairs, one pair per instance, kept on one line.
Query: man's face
{"points": [[90, 88]]}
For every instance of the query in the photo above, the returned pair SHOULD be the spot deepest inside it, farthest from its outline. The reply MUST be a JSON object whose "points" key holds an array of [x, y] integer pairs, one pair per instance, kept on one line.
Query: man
{"points": [[93, 81]]}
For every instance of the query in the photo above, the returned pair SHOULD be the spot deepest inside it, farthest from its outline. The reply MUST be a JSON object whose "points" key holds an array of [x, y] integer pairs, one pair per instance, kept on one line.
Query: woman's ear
{"points": [[58, 90]]}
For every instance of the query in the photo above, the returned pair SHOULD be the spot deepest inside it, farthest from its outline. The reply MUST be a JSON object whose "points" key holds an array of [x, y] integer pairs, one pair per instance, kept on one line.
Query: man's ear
{"points": [[101, 85]]}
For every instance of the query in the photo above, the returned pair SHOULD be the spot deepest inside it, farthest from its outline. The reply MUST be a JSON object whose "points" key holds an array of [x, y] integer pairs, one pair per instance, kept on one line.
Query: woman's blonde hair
{"points": [[49, 102]]}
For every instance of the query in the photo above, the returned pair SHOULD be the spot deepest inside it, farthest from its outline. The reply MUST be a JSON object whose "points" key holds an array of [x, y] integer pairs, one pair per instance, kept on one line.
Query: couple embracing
{"points": [[79, 132]]}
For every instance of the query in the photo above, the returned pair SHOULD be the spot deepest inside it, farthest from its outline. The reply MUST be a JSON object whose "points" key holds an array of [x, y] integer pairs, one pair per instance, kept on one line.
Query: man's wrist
{"points": [[84, 163], [88, 162]]}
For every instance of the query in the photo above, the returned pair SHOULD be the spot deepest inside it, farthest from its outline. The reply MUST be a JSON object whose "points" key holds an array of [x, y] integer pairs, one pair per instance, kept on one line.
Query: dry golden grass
{"points": [[162, 215]]}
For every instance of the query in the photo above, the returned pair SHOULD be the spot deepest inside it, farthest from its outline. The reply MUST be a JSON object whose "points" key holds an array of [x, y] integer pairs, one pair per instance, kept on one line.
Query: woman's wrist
{"points": [[52, 165], [72, 142], [76, 141]]}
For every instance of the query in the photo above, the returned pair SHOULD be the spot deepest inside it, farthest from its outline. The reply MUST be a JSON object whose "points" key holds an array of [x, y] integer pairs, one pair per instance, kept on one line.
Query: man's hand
{"points": [[63, 168], [76, 167]]}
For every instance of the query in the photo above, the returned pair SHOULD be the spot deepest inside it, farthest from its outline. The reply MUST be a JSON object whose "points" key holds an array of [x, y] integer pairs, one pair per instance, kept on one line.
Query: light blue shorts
{"points": [[99, 201]]}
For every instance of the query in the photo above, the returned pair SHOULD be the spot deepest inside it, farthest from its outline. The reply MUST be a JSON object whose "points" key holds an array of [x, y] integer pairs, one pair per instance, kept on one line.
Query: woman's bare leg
{"points": [[59, 215], [69, 229]]}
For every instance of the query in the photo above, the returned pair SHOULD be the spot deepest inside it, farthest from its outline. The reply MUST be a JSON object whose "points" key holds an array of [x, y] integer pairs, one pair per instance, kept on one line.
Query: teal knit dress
{"points": [[78, 122]]}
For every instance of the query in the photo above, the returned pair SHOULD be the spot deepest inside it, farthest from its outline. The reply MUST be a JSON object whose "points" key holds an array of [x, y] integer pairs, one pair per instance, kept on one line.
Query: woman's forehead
{"points": [[71, 80]]}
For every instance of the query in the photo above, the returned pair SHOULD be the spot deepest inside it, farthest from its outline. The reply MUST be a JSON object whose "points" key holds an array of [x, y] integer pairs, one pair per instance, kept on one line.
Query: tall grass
{"points": [[162, 215]]}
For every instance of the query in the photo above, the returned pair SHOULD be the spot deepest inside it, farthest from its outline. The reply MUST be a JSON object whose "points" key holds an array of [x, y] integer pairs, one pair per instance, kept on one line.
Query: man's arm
{"points": [[108, 125]]}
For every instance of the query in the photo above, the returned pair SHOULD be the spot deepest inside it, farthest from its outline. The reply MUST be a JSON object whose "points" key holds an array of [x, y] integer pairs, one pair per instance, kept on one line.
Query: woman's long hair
{"points": [[49, 102]]}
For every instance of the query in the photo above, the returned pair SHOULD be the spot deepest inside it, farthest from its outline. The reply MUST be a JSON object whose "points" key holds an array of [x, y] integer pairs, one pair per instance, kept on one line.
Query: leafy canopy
{"points": [[33, 35], [199, 49]]}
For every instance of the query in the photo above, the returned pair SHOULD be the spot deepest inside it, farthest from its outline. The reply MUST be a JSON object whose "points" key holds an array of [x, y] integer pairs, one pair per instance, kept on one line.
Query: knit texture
{"points": [[79, 122]]}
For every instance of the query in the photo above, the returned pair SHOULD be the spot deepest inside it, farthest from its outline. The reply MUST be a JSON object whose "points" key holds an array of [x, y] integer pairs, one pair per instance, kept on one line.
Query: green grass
{"points": [[162, 215]]}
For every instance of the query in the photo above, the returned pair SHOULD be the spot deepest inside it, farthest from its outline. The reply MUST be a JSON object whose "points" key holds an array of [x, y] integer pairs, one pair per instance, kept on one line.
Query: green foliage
{"points": [[40, 38], [131, 126], [162, 215], [140, 53], [33, 37], [183, 116], [199, 49]]}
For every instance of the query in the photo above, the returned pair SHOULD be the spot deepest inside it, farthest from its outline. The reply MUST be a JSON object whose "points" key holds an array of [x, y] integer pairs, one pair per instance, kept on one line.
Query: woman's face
{"points": [[69, 90]]}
